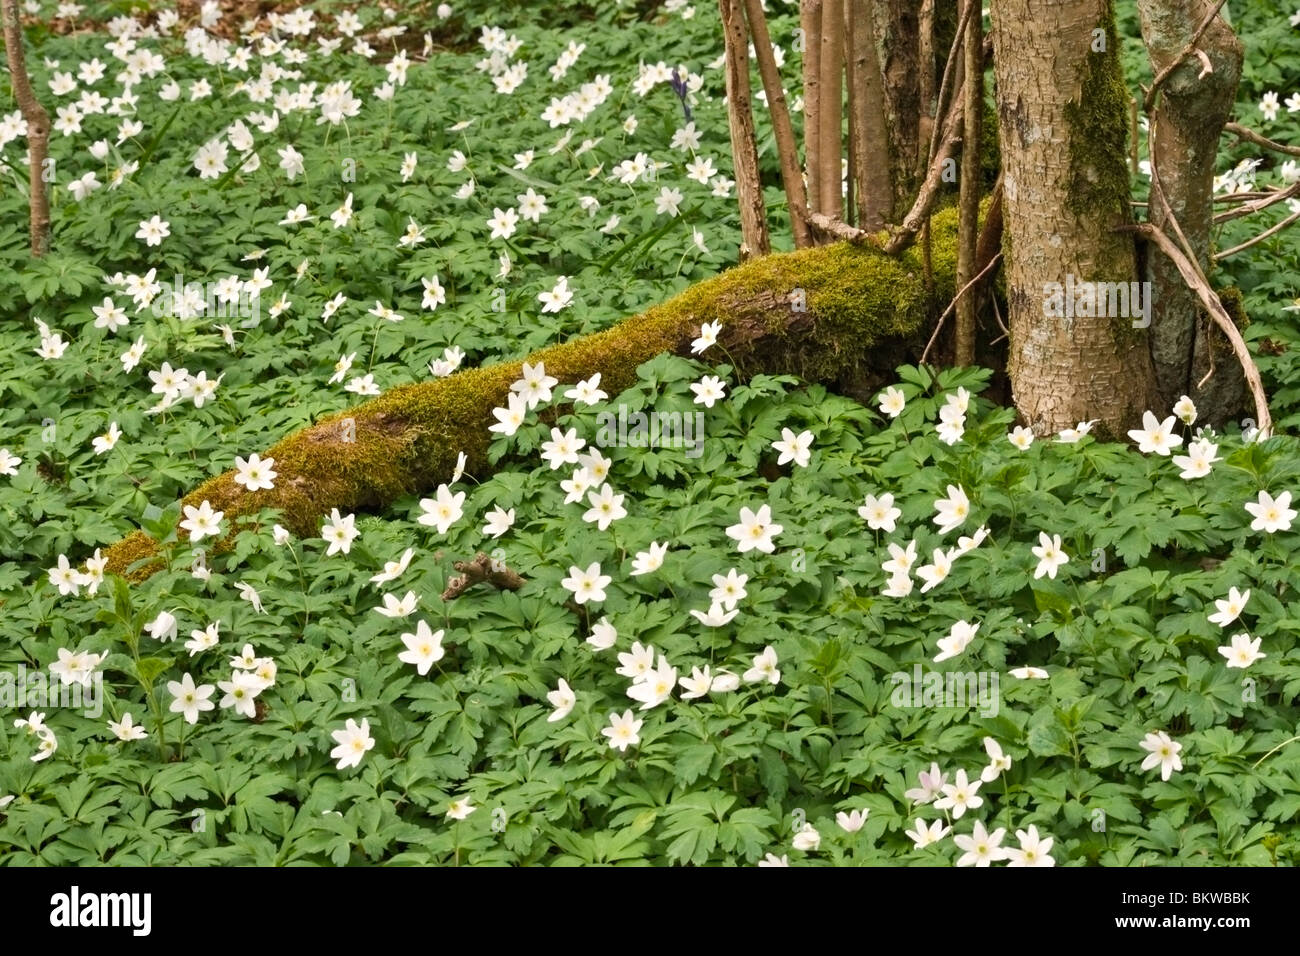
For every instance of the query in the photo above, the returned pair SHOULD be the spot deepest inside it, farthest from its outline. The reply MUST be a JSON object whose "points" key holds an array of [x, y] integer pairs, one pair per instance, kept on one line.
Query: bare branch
{"points": [[1219, 257], [1196, 281], [1250, 136]]}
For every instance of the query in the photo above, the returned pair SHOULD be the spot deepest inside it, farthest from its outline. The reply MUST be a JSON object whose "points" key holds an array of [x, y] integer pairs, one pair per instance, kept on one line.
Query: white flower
{"points": [[959, 637], [606, 507], [340, 532], [998, 761], [201, 641], [623, 730], [1021, 437], [656, 686], [1163, 751], [1049, 554], [256, 473], [892, 401], [708, 390], [755, 530], [1155, 436], [503, 223], [981, 848], [240, 692], [353, 742], [931, 782], [794, 447], [1271, 514], [511, 417], [443, 510], [563, 448], [153, 231], [708, 336], [636, 663], [459, 809], [249, 594], [162, 628], [1201, 455], [603, 635], [959, 796], [935, 574], [668, 201], [764, 668], [587, 392], [423, 648], [535, 386], [1242, 652], [499, 522], [202, 522], [715, 617], [105, 442], [852, 821], [1185, 409], [879, 513], [126, 729], [559, 296], [652, 559], [926, 835], [729, 588], [588, 585], [950, 512], [1028, 673], [398, 607], [900, 559], [188, 699], [1033, 851], [1229, 609], [562, 699], [807, 839]]}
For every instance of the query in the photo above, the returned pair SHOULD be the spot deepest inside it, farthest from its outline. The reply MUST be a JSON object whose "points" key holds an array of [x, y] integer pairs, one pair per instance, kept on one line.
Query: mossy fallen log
{"points": [[845, 315]]}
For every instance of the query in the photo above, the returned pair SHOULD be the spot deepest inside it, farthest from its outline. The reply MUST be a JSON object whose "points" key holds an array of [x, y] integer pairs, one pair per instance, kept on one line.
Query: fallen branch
{"points": [[481, 568], [843, 315], [1196, 281], [838, 228]]}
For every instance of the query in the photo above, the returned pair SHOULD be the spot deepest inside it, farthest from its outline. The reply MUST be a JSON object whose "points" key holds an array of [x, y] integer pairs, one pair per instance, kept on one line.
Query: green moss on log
{"points": [[407, 440]]}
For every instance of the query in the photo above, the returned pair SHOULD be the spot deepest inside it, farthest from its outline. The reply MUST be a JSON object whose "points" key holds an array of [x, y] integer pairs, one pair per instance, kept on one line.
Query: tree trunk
{"points": [[870, 169], [744, 147], [1185, 128], [898, 48], [1062, 116], [810, 21], [38, 128], [964, 328], [845, 314], [830, 110], [787, 149]]}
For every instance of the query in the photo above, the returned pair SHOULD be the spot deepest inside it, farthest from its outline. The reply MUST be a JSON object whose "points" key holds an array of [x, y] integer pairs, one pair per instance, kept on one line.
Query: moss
{"points": [[407, 439], [1099, 177]]}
